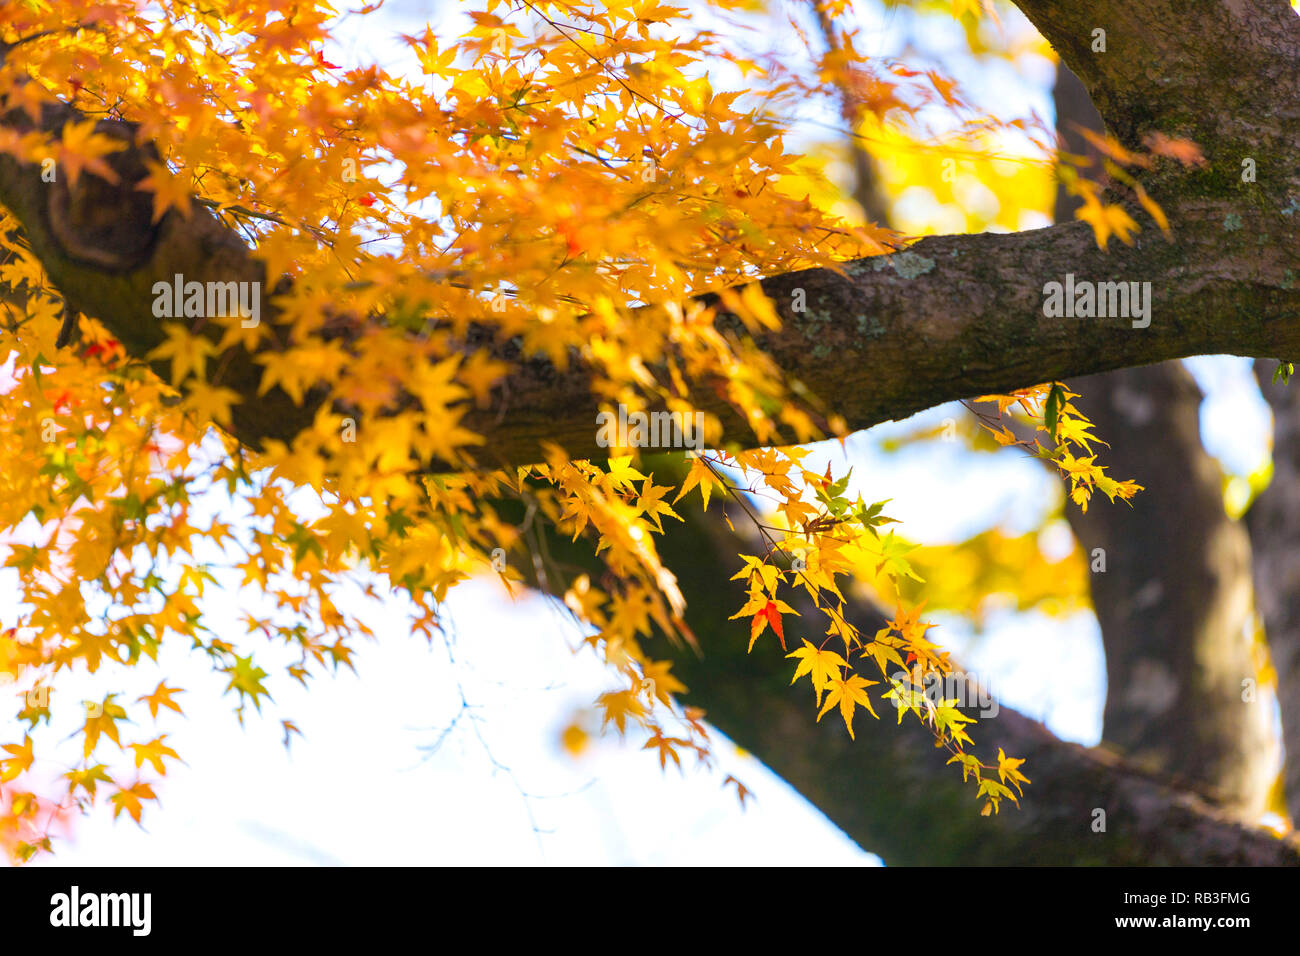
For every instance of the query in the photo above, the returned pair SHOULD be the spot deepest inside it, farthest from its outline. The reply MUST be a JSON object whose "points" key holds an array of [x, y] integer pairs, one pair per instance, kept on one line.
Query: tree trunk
{"points": [[1274, 521], [1174, 598]]}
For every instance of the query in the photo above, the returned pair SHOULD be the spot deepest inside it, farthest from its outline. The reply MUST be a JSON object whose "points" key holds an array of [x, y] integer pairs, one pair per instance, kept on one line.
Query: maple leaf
{"points": [[694, 716], [906, 698], [970, 765], [169, 190], [756, 568], [480, 373], [742, 792], [246, 680], [661, 683], [652, 504], [622, 474], [822, 666], [848, 693], [131, 800], [619, 706], [700, 474], [101, 718], [432, 62], [951, 721], [154, 751], [289, 728], [774, 614], [1009, 769], [882, 650], [87, 778], [212, 403], [20, 760], [83, 149], [995, 791], [1183, 150], [667, 747], [189, 353], [892, 560], [1107, 220], [769, 613]]}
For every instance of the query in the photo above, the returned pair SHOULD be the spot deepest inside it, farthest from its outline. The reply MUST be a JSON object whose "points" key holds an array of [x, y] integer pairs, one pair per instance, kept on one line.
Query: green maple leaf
{"points": [[247, 680]]}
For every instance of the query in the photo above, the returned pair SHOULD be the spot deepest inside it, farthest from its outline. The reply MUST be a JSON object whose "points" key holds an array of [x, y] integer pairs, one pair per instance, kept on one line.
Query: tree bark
{"points": [[1274, 521]]}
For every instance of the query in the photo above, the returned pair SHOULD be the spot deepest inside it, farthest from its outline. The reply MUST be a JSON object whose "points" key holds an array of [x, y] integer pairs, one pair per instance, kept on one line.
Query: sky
{"points": [[450, 753]]}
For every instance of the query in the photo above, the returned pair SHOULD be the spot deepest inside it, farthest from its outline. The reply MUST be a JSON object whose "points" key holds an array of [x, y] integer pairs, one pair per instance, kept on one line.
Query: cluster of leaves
{"points": [[1069, 433], [1113, 161], [556, 168], [813, 534], [562, 177]]}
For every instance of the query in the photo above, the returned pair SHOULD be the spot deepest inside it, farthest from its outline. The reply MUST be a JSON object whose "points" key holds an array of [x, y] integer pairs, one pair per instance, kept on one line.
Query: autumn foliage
{"points": [[559, 183]]}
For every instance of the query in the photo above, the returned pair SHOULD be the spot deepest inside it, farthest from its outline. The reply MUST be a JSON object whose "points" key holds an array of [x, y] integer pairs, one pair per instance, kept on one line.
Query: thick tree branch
{"points": [[951, 317], [890, 790]]}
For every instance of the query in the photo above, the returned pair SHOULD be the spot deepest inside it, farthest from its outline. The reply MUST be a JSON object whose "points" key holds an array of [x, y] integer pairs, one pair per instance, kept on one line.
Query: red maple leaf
{"points": [[774, 618]]}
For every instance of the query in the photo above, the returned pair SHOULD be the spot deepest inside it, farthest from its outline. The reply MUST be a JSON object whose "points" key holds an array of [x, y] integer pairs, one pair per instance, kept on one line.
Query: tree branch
{"points": [[890, 790], [951, 317]]}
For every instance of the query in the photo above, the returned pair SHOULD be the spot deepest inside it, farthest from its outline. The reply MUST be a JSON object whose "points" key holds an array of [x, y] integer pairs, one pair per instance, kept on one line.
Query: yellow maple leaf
{"points": [[1009, 769], [848, 693], [161, 697], [622, 474], [82, 148], [131, 800], [187, 351], [169, 190], [154, 751], [700, 474], [211, 403], [822, 666], [22, 758]]}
